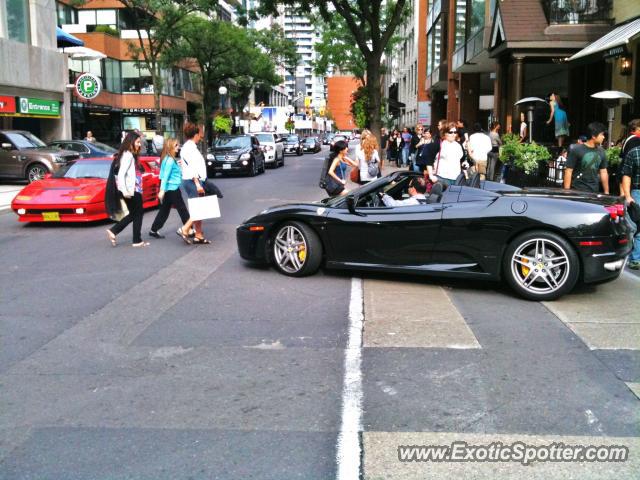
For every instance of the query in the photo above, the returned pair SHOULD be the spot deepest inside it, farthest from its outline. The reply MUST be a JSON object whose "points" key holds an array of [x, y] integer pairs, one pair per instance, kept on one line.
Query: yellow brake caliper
{"points": [[525, 270], [302, 253]]}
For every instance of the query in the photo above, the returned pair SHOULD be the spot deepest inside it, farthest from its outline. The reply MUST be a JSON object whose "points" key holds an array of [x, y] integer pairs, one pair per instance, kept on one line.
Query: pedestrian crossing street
{"points": [[426, 320]]}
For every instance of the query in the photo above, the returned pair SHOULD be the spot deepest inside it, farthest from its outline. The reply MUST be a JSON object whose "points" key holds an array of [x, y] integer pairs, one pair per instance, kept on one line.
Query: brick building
{"points": [[339, 90]]}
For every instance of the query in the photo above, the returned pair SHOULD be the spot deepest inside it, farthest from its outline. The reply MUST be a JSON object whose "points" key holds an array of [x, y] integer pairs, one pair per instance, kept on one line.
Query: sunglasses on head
{"points": [[452, 131]]}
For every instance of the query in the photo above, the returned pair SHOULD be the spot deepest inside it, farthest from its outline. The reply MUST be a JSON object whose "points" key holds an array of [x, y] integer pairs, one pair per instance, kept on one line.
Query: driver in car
{"points": [[417, 188]]}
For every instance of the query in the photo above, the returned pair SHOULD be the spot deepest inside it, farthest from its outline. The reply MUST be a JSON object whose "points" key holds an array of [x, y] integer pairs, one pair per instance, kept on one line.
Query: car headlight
{"points": [[245, 156], [268, 148], [210, 156], [58, 159]]}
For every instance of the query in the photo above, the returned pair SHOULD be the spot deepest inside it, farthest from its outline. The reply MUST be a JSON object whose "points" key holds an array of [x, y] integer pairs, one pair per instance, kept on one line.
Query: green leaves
{"points": [[526, 156]]}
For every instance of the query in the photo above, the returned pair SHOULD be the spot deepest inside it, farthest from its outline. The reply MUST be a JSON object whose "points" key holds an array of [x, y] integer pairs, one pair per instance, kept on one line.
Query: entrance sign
{"points": [[37, 106], [88, 86]]}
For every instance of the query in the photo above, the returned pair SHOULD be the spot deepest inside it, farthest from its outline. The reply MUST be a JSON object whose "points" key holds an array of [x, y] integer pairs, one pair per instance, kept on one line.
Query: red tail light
{"points": [[615, 211]]}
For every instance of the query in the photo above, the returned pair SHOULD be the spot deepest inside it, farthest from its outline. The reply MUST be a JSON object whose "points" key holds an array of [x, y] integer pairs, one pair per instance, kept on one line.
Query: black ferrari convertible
{"points": [[542, 242]]}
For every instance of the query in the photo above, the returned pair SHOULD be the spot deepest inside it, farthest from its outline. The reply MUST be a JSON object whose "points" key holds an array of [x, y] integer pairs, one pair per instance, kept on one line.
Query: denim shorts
{"points": [[188, 189]]}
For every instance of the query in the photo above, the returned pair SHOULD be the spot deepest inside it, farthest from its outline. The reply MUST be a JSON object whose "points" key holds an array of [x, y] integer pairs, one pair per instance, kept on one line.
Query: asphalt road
{"points": [[182, 362]]}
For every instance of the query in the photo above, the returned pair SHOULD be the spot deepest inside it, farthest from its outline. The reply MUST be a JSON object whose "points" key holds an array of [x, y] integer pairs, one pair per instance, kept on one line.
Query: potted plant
{"points": [[613, 168], [524, 161]]}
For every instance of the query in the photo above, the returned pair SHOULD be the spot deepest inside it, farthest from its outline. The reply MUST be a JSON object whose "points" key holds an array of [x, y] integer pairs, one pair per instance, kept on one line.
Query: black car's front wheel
{"points": [[297, 250], [541, 266]]}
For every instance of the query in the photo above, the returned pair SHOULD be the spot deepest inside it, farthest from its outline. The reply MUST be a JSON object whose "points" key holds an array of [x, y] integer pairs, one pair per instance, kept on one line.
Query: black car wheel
{"points": [[300, 152], [36, 172], [263, 167], [254, 169], [282, 159], [541, 266], [297, 250]]}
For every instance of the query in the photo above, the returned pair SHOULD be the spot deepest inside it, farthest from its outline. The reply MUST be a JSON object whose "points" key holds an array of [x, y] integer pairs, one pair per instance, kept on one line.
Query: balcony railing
{"points": [[577, 11]]}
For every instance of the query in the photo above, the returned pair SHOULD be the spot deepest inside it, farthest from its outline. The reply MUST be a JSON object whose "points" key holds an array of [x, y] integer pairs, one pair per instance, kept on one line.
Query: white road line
{"points": [[349, 448]]}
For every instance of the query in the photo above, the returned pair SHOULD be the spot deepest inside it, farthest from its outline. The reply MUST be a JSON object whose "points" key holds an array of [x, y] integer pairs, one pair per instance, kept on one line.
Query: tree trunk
{"points": [[157, 91], [373, 91]]}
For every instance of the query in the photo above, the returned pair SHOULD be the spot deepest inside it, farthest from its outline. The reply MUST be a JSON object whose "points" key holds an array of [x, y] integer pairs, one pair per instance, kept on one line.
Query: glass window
{"points": [[106, 17], [146, 84], [461, 22], [66, 14], [17, 12], [186, 80], [130, 77], [177, 81], [87, 17], [112, 75], [477, 16], [167, 85]]}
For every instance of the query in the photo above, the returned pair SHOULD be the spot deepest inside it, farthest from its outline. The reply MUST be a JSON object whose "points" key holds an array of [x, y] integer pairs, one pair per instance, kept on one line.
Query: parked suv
{"points": [[23, 155], [235, 154], [273, 148]]}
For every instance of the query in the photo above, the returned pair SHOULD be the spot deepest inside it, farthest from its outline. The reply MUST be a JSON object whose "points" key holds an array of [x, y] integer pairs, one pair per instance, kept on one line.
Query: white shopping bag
{"points": [[201, 208]]}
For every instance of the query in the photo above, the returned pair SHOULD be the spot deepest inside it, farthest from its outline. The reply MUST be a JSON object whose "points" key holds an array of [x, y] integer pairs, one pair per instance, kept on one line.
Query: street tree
{"points": [[222, 52], [157, 23], [372, 24]]}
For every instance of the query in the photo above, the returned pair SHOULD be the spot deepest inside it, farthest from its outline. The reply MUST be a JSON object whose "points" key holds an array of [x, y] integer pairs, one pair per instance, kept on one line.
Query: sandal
{"points": [[141, 244], [201, 241], [184, 237], [112, 237]]}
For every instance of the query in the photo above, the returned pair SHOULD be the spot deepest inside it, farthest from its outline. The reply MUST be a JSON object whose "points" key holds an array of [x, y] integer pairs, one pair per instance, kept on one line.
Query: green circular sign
{"points": [[88, 86]]}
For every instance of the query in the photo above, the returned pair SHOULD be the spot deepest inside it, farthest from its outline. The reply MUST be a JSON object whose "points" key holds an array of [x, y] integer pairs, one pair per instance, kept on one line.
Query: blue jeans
{"points": [[445, 181], [405, 157], [635, 253]]}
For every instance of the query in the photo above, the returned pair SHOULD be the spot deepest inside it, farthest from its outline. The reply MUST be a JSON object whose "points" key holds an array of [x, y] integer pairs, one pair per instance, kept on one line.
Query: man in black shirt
{"points": [[588, 162]]}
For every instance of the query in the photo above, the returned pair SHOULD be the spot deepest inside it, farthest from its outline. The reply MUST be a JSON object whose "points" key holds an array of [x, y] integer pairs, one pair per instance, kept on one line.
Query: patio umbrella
{"points": [[67, 40], [84, 53]]}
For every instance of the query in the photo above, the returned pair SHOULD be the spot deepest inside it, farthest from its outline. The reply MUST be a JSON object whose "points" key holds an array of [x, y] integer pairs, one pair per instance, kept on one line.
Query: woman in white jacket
{"points": [[129, 182]]}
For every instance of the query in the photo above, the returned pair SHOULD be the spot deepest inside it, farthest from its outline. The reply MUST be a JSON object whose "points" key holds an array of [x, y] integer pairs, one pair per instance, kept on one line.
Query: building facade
{"points": [[127, 100], [32, 79], [339, 91]]}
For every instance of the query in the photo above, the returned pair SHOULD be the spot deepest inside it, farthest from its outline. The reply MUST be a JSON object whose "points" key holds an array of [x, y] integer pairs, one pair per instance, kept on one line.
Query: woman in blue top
{"points": [[169, 195], [336, 177], [559, 116]]}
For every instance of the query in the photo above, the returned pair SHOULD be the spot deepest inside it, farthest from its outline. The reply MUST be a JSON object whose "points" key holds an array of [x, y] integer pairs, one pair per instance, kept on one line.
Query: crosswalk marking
{"points": [[614, 327], [413, 315]]}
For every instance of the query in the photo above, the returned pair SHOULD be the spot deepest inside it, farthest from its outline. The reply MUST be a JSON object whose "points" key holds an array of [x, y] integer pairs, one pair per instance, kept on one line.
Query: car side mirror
{"points": [[351, 206], [7, 146]]}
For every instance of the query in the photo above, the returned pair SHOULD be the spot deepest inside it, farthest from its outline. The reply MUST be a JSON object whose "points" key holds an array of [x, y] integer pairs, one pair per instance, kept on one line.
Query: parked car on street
{"points": [[75, 193], [328, 138], [293, 144], [84, 148], [311, 144], [337, 138], [235, 154], [542, 242], [273, 148], [25, 156]]}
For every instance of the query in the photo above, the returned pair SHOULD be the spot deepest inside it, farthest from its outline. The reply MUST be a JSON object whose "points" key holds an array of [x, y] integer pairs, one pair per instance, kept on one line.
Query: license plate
{"points": [[226, 166], [51, 216]]}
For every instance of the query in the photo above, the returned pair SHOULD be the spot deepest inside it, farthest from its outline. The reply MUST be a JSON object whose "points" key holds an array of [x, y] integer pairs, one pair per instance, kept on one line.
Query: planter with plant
{"points": [[525, 160]]}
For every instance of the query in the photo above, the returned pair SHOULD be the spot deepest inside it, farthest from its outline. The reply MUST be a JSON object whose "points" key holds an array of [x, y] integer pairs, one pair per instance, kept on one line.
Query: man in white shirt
{"points": [[417, 189], [479, 148], [158, 142]]}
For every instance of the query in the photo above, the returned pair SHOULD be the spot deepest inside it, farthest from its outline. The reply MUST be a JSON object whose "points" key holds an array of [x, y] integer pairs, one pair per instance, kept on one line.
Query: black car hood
{"points": [[589, 197]]}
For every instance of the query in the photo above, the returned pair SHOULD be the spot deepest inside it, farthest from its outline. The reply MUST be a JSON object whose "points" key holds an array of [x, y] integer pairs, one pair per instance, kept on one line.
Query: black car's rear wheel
{"points": [[297, 250], [35, 172], [253, 171], [541, 266]]}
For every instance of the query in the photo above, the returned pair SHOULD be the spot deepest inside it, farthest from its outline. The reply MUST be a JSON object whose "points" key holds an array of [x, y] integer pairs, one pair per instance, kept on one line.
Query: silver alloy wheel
{"points": [[288, 247], [36, 172], [540, 266]]}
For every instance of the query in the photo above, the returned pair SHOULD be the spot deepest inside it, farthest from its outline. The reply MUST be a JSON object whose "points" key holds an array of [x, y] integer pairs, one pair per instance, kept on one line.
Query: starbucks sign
{"points": [[88, 86]]}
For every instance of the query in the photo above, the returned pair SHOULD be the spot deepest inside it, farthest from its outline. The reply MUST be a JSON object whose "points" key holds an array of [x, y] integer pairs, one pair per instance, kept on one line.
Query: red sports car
{"points": [[76, 192]]}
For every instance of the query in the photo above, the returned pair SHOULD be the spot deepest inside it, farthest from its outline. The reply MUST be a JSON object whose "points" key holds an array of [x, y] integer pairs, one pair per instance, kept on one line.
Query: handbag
{"points": [[211, 188], [202, 208], [354, 176]]}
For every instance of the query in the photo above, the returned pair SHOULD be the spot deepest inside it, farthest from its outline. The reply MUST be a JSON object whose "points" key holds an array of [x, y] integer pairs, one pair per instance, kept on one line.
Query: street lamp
{"points": [[222, 91], [612, 98], [530, 103]]}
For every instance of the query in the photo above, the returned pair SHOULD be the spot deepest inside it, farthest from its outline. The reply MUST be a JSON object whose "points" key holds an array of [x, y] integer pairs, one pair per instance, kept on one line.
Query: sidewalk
{"points": [[7, 192]]}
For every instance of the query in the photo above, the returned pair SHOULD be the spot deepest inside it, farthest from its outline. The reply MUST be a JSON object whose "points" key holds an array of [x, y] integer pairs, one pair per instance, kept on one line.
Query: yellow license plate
{"points": [[51, 216]]}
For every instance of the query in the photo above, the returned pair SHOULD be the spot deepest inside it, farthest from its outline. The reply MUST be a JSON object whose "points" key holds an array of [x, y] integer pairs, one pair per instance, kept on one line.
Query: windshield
{"points": [[84, 170], [104, 148], [24, 140], [309, 140], [293, 138], [233, 142], [264, 137]]}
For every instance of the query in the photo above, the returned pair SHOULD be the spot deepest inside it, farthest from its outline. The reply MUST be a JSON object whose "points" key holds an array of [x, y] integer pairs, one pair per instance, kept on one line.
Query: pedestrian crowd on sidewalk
{"points": [[183, 176]]}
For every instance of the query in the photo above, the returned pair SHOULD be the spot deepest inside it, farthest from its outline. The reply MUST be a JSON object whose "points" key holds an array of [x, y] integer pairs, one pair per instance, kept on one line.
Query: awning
{"points": [[67, 40], [612, 44], [83, 53]]}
